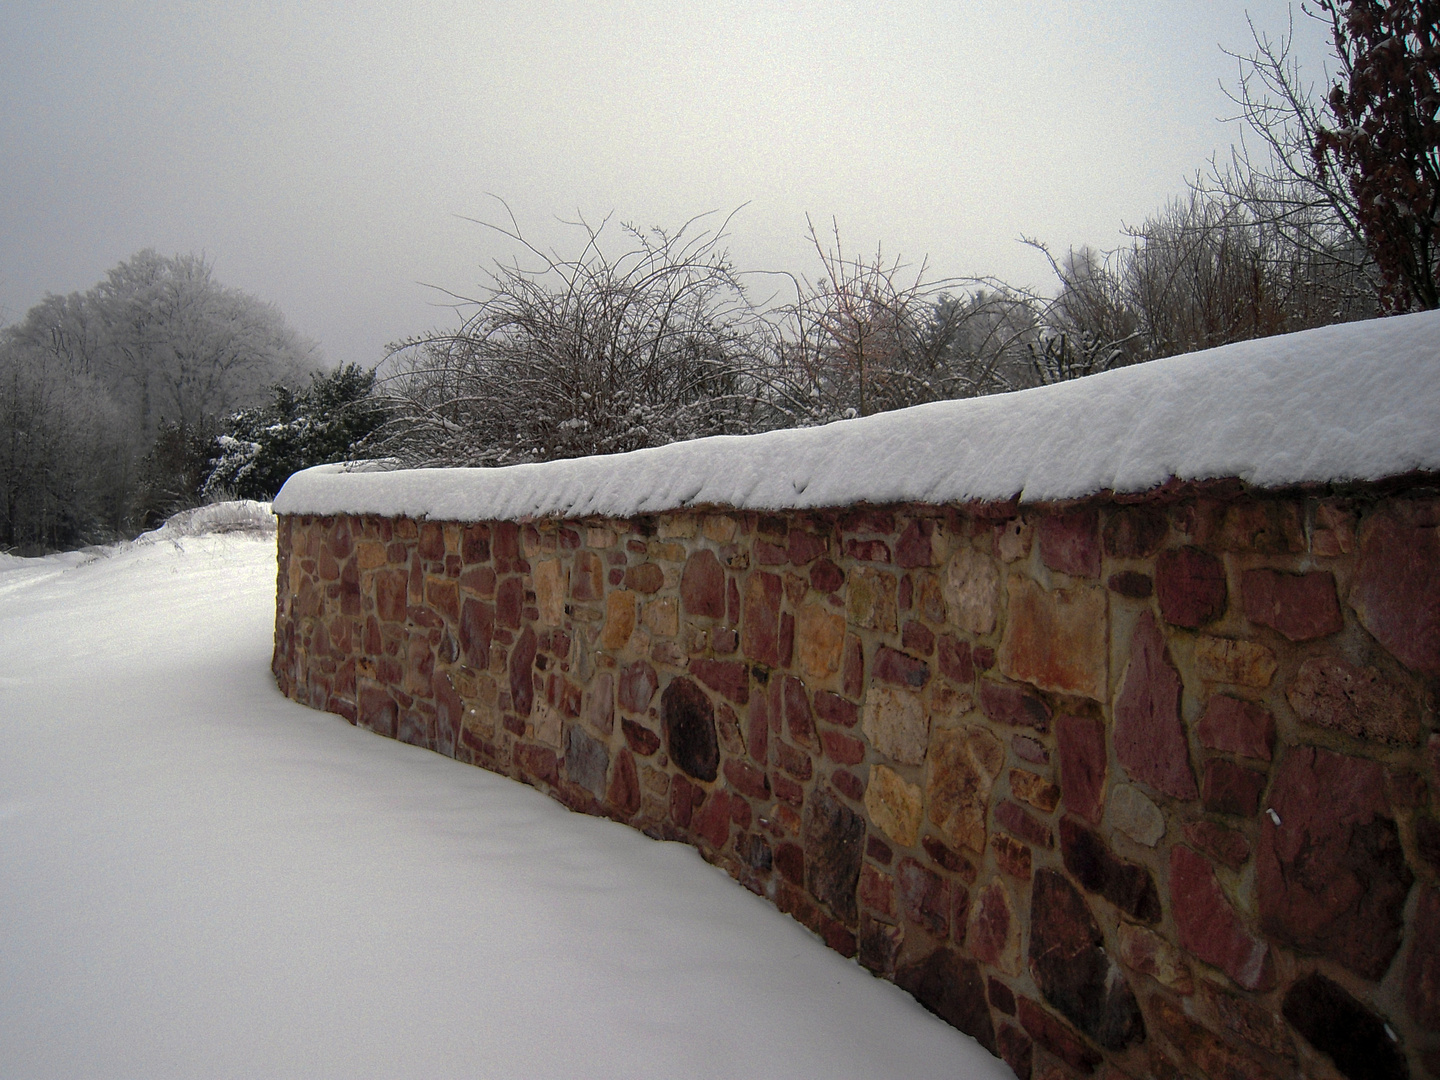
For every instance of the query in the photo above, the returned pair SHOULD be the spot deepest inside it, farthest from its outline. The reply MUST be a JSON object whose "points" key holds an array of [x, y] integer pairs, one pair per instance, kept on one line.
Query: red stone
{"points": [[802, 546], [1056, 1036], [757, 731], [1082, 765], [509, 599], [377, 711], [790, 861], [949, 859], [1070, 543], [950, 986], [854, 671], [759, 625], [917, 637], [746, 778], [786, 645], [480, 581], [1223, 845], [1396, 591], [834, 709], [640, 739], [1011, 856], [1014, 818], [684, 797], [877, 891], [1127, 885], [1001, 996], [1422, 963], [1003, 703], [712, 824], [798, 719], [1028, 749], [522, 659], [391, 590], [688, 720], [728, 677], [896, 667], [1131, 583], [867, 550], [878, 850], [990, 933], [833, 838], [732, 602], [913, 548], [1135, 532], [1190, 585], [879, 945], [646, 578], [1208, 926], [1331, 878], [848, 784], [842, 749], [1231, 789], [623, 794], [787, 790], [1237, 727], [1149, 739], [537, 762], [955, 659], [1338, 1025], [475, 544], [1300, 606], [826, 577], [1012, 1044], [795, 762], [638, 683], [432, 540]]}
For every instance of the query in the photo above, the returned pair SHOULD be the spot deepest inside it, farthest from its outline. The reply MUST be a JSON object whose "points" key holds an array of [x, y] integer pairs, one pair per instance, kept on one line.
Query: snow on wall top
{"points": [[1359, 401]]}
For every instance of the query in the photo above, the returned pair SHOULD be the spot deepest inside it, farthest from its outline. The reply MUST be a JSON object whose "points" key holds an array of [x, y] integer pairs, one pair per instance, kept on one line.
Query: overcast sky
{"points": [[324, 156]]}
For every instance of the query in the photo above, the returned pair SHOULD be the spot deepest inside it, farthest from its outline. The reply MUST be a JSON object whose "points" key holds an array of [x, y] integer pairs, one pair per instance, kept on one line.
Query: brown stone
{"points": [[477, 628], [1241, 663], [1011, 856], [955, 659], [819, 640], [1190, 585], [1255, 1023], [1013, 1045], [1135, 532], [1131, 584], [1237, 727], [993, 933], [537, 762], [1011, 540], [702, 586], [961, 769], [1422, 963], [852, 678], [799, 721], [1333, 1022], [915, 547], [1148, 953], [924, 897], [1332, 693], [1057, 1037], [951, 987], [639, 738], [1271, 527], [867, 550], [619, 619], [948, 859], [551, 584], [1231, 789], [391, 590], [1149, 739], [1208, 926], [1225, 846], [587, 762], [646, 578], [522, 661], [834, 709], [1396, 589], [1056, 639], [688, 720], [1071, 968], [879, 946], [871, 600], [1034, 789], [826, 577], [842, 749], [1082, 765], [1127, 885], [877, 891], [1070, 543], [802, 546], [1300, 606], [1331, 877], [510, 602], [834, 841], [896, 724], [759, 625], [1200, 1046]]}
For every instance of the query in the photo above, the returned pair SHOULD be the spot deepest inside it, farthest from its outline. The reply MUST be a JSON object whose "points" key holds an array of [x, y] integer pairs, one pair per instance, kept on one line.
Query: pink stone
{"points": [[1070, 543], [1237, 727], [1028, 749], [1013, 817], [1300, 606], [509, 599], [638, 683], [1149, 739], [848, 784], [712, 824], [1209, 928], [1082, 765], [1396, 592], [917, 637], [1190, 585], [702, 586], [728, 677], [924, 897]]}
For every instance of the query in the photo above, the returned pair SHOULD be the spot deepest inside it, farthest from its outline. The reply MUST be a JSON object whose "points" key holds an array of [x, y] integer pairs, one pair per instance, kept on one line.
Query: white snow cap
{"points": [[1358, 401]]}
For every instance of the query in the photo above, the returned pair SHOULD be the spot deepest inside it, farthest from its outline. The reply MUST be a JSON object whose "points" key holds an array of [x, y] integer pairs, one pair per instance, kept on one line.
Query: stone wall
{"points": [[1140, 785]]}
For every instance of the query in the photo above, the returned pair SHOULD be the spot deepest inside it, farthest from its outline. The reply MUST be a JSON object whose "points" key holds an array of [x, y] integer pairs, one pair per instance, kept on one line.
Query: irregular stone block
{"points": [[702, 586], [760, 622], [1127, 885], [871, 599], [1255, 1023], [1237, 727], [1056, 1036], [834, 839], [961, 769], [896, 667], [877, 891], [1202, 1047], [586, 761], [1011, 856], [619, 619], [1034, 789], [1148, 953], [950, 986], [510, 602], [646, 578], [1300, 606], [896, 724], [971, 589], [1131, 813], [1422, 963], [1131, 584], [915, 547], [1135, 532], [522, 661], [688, 720], [1070, 543], [992, 934], [826, 577], [1190, 585], [1071, 968], [1224, 845], [639, 738], [1082, 765], [1056, 639], [819, 640], [1004, 704], [1331, 877], [638, 683], [1231, 789], [799, 721], [552, 582], [1332, 693], [1396, 590], [1268, 528], [1240, 663], [728, 677], [1208, 926], [1012, 817], [477, 629], [842, 749], [924, 897], [879, 946], [1337, 1025], [1149, 739], [623, 794]]}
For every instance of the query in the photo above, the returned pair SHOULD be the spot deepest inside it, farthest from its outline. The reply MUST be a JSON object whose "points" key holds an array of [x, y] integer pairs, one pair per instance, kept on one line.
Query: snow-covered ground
{"points": [[201, 878]]}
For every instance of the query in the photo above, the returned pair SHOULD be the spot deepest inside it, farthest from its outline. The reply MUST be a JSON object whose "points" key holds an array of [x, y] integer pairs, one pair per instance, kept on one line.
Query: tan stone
{"points": [[1012, 540], [548, 727], [894, 805], [369, 554], [676, 527], [1034, 789], [662, 616], [1129, 811], [960, 771], [896, 724], [1148, 953], [819, 640], [667, 552], [1241, 663], [972, 590], [871, 599], [619, 619], [530, 542], [452, 533], [719, 528], [479, 720], [599, 538], [552, 581], [947, 704], [1056, 638]]}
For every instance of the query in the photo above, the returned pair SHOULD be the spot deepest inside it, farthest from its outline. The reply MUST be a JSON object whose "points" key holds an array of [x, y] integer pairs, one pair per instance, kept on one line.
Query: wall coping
{"points": [[1353, 402]]}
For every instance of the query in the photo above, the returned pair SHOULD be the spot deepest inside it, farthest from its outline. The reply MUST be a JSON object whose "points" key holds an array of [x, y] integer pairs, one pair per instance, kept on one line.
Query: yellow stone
{"points": [[1056, 638], [819, 640], [719, 528], [676, 527], [552, 581], [369, 554], [667, 552], [896, 807], [871, 599], [960, 771], [619, 619], [599, 538], [1242, 663]]}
